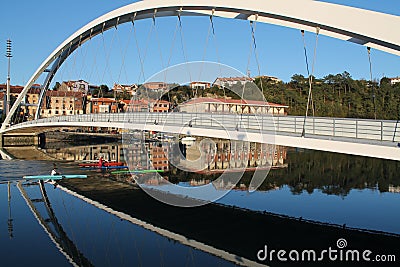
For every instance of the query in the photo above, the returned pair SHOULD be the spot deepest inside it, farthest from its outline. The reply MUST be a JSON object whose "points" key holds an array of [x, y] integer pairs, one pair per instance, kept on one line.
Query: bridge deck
{"points": [[373, 138]]}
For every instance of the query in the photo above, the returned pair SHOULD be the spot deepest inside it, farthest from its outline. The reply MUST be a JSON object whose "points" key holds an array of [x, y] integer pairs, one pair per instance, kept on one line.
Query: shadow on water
{"points": [[51, 225], [85, 235], [244, 228], [237, 231]]}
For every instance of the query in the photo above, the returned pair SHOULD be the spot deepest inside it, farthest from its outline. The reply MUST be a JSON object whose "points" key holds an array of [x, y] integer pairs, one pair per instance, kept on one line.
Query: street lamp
{"points": [[9, 56]]}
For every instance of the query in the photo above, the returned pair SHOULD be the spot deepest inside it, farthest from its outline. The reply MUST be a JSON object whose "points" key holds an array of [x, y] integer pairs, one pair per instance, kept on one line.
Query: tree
{"points": [[102, 91], [298, 79], [56, 86], [2, 117], [384, 81]]}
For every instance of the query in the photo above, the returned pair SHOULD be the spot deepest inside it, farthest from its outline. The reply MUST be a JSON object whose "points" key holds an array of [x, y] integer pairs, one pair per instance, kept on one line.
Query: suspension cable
{"points": [[123, 54], [75, 56], [211, 29], [84, 55], [161, 59], [157, 39], [183, 46], [94, 65], [178, 22], [142, 59], [310, 78], [137, 46], [313, 65], [205, 50], [372, 83], [107, 67], [251, 47], [216, 48], [173, 43], [253, 35]]}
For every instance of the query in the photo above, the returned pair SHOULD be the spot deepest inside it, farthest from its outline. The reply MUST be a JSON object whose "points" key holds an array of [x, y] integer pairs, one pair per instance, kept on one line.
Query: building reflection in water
{"points": [[109, 152], [394, 189], [232, 155], [204, 160]]}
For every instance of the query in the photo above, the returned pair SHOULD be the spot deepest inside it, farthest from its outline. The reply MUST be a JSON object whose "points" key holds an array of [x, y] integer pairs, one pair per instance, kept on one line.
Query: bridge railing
{"points": [[377, 130]]}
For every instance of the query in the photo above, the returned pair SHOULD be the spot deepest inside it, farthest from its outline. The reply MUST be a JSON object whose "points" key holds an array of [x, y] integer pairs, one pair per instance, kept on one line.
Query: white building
{"points": [[394, 80], [199, 85], [125, 88], [230, 81], [220, 105], [75, 86]]}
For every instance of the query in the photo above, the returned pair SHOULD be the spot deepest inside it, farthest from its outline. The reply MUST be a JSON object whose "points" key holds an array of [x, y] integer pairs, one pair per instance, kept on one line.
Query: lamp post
{"points": [[9, 56]]}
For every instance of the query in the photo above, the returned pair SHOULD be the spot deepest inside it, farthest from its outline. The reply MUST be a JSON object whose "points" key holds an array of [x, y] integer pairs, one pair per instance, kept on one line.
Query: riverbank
{"points": [[82, 137], [28, 153], [237, 231]]}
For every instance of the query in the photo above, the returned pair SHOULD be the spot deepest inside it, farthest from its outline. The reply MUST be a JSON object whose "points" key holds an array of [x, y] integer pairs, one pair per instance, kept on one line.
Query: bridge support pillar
{"points": [[40, 140], [36, 140], [21, 140]]}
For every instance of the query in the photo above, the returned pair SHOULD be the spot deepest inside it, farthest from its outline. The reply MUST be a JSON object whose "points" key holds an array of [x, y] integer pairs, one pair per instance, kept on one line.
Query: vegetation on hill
{"points": [[333, 96], [337, 96]]}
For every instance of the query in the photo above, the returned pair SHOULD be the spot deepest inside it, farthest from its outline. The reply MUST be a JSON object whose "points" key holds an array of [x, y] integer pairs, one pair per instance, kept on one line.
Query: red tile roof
{"points": [[135, 102], [64, 93], [234, 79], [233, 102], [104, 99], [17, 89]]}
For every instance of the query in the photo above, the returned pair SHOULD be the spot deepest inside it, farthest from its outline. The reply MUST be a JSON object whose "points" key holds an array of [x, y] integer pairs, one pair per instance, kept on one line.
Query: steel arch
{"points": [[356, 25]]}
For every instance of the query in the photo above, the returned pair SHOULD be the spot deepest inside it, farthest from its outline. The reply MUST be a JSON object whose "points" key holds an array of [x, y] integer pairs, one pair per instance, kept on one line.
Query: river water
{"points": [[326, 187]]}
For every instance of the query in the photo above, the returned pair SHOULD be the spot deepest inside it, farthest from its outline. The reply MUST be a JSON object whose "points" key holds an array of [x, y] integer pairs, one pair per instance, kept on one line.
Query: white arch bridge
{"points": [[371, 138], [352, 136], [355, 25]]}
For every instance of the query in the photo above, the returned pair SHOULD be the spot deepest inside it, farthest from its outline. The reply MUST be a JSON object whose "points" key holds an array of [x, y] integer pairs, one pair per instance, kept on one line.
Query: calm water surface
{"points": [[326, 187], [102, 239]]}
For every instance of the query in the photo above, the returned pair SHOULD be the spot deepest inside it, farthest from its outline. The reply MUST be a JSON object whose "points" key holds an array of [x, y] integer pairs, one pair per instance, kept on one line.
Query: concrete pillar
{"points": [[36, 140], [41, 140]]}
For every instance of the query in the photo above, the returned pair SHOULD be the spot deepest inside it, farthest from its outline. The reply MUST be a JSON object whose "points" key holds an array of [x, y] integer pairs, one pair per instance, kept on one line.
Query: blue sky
{"points": [[38, 27]]}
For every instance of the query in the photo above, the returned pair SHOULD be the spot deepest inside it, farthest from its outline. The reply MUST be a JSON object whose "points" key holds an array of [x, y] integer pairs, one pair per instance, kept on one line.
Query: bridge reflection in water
{"points": [[302, 173], [299, 182], [79, 243], [51, 225], [118, 240]]}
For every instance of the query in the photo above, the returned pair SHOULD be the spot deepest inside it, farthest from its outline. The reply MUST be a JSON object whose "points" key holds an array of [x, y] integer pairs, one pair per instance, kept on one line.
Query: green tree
{"points": [[56, 86]]}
